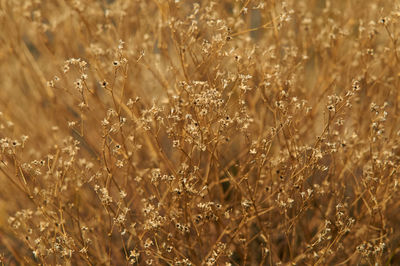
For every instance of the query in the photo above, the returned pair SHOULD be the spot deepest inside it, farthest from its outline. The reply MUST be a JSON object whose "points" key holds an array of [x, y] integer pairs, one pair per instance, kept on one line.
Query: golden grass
{"points": [[199, 132]]}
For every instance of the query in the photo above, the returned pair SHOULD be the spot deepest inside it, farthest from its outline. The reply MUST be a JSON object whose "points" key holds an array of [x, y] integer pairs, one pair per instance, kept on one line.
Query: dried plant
{"points": [[199, 132]]}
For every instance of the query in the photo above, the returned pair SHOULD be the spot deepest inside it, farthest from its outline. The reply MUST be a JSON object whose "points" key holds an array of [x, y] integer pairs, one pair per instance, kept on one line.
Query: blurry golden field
{"points": [[167, 132]]}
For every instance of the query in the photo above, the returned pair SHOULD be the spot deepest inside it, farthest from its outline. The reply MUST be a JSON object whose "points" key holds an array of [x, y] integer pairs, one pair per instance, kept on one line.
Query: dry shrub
{"points": [[199, 132]]}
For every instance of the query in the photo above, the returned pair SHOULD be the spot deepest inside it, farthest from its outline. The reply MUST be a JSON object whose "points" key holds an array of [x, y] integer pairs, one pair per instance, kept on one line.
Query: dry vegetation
{"points": [[199, 132]]}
